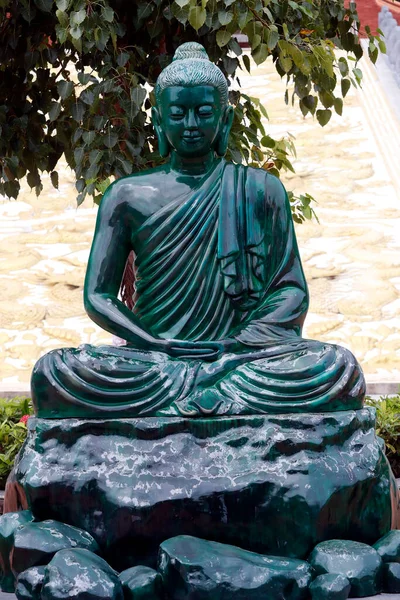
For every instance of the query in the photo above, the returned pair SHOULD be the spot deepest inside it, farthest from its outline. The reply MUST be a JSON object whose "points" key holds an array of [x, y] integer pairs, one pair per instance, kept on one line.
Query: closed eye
{"points": [[205, 111]]}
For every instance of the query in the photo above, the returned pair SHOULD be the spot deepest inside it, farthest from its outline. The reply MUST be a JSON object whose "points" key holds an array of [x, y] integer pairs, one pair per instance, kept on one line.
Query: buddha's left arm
{"points": [[284, 303]]}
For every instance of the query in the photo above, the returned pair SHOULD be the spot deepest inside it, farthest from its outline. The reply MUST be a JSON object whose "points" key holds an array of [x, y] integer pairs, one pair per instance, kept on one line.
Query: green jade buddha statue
{"points": [[220, 295]]}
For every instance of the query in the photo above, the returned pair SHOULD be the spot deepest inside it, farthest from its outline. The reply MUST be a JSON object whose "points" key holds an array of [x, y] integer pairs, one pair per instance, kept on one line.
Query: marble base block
{"points": [[276, 485]]}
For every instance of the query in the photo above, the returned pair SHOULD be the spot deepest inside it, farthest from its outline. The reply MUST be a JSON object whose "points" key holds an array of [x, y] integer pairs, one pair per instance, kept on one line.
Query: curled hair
{"points": [[191, 67]]}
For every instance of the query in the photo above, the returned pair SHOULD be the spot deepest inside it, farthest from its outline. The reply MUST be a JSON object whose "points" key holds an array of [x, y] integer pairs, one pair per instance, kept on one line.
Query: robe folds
{"points": [[221, 263]]}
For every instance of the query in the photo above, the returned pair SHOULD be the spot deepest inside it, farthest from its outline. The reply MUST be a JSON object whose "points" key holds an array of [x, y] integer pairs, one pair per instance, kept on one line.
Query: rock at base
{"points": [[360, 563], [36, 543], [195, 568], [388, 547], [81, 575], [9, 523], [141, 583], [330, 587], [281, 484], [30, 583], [391, 578]]}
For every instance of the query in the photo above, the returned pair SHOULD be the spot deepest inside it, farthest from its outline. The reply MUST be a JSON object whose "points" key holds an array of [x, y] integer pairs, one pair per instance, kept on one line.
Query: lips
{"points": [[192, 139]]}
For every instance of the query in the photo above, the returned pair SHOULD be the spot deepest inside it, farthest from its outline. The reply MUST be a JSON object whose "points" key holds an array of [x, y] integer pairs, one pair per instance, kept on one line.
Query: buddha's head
{"points": [[192, 115]]}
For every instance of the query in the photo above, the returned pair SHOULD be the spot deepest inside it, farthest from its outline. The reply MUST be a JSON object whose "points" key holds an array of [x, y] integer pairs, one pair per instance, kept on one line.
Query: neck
{"points": [[198, 165]]}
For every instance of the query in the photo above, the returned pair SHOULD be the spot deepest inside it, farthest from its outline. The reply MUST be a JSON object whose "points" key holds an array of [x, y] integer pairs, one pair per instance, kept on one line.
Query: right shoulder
{"points": [[127, 190]]}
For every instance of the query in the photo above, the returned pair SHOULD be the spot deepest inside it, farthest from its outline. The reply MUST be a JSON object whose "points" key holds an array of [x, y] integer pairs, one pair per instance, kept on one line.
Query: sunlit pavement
{"points": [[351, 258]]}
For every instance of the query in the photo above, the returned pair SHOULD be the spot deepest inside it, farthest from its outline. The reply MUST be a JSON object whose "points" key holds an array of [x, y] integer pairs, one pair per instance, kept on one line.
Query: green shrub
{"points": [[388, 427], [13, 416]]}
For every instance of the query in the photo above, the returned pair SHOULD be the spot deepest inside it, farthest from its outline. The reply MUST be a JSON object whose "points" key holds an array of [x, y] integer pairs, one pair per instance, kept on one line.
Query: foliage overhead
{"points": [[76, 79]]}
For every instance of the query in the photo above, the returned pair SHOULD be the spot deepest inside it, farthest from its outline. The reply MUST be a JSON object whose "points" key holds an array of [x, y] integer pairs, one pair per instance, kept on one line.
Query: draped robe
{"points": [[222, 263]]}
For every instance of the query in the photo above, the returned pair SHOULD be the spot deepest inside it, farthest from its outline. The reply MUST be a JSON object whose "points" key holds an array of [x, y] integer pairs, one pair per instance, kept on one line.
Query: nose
{"points": [[190, 120]]}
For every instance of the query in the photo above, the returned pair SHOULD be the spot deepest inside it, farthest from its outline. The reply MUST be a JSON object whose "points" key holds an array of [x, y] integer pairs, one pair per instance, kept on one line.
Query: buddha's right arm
{"points": [[110, 249]]}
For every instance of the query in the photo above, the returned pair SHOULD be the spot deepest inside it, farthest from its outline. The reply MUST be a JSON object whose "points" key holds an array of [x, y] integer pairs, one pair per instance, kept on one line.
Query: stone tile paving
{"points": [[351, 258]]}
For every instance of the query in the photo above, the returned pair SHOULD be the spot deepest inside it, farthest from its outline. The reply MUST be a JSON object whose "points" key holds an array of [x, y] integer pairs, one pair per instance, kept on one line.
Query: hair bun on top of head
{"points": [[191, 67], [190, 51]]}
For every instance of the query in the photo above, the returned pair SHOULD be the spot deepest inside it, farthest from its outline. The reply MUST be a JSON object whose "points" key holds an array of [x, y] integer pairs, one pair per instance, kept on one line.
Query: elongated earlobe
{"points": [[163, 144], [221, 145]]}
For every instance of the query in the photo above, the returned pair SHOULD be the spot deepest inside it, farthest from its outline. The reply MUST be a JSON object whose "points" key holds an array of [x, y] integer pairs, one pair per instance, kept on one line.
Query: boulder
{"points": [[141, 583], [391, 578], [30, 583], [276, 484], [195, 568], [388, 547], [360, 563], [81, 575], [36, 543], [9, 523], [330, 587]]}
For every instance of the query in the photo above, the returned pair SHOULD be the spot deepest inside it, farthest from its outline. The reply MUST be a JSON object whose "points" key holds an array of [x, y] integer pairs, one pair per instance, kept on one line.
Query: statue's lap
{"points": [[294, 375]]}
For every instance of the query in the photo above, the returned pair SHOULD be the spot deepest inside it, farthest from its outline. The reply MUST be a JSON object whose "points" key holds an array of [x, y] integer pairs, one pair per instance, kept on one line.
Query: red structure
{"points": [[368, 11]]}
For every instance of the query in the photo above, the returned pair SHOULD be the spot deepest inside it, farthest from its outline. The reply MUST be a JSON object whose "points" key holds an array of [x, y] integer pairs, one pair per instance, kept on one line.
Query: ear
{"points": [[163, 145], [222, 140]]}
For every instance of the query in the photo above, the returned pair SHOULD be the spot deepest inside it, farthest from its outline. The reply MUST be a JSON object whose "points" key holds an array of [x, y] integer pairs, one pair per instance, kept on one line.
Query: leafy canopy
{"points": [[76, 79]]}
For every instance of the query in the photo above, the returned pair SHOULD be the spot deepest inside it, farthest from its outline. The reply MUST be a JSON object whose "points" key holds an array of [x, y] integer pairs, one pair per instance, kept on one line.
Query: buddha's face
{"points": [[191, 118]]}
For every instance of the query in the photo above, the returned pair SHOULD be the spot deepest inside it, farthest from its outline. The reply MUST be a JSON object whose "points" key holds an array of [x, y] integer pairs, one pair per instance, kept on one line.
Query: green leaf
{"points": [[182, 3], [197, 17], [80, 198], [65, 88], [62, 4], [110, 139], [243, 18], [77, 17], [76, 32], [286, 63], [343, 66], [54, 179], [138, 94], [225, 17], [44, 5], [255, 41], [326, 98], [181, 14], [62, 34], [84, 78], [54, 111], [107, 13], [62, 17], [338, 106], [324, 116], [310, 102], [285, 31], [77, 42], [89, 136], [260, 54], [358, 75], [345, 85], [122, 59], [223, 37], [77, 111], [33, 179], [80, 184], [78, 155], [95, 156], [272, 39], [268, 141], [246, 61], [382, 46], [144, 10]]}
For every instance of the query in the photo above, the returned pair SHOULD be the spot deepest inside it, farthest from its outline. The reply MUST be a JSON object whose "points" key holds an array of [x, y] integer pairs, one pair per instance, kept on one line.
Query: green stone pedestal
{"points": [[276, 485]]}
